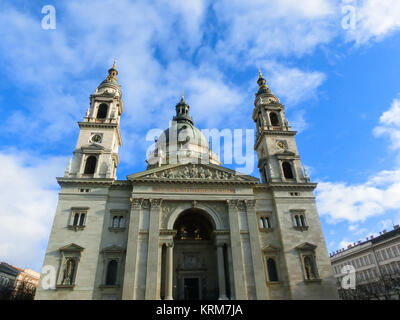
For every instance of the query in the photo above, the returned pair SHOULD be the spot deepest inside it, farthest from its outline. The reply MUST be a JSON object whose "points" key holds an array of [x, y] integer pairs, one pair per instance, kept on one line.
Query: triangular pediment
{"points": [[199, 173], [72, 247], [270, 248], [306, 246]]}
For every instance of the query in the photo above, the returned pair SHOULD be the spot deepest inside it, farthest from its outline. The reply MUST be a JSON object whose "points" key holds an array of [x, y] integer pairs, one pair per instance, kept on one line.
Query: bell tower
{"points": [[278, 158], [96, 152]]}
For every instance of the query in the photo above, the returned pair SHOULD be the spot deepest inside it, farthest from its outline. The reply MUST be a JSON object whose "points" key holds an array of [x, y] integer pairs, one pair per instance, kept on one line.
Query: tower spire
{"points": [[112, 73], [262, 85]]}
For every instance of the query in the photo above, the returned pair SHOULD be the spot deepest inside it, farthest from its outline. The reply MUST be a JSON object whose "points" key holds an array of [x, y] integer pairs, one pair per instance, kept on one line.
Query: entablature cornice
{"points": [[286, 186], [109, 125], [85, 181]]}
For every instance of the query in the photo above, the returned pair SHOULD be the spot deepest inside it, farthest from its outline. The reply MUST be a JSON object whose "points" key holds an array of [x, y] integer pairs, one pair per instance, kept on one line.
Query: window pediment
{"points": [[306, 246], [270, 248], [72, 248]]}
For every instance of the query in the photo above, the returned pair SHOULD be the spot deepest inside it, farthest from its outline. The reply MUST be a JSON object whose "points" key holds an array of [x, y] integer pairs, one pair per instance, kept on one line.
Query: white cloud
{"points": [[390, 125], [258, 29], [379, 194], [375, 19], [28, 200], [292, 84]]}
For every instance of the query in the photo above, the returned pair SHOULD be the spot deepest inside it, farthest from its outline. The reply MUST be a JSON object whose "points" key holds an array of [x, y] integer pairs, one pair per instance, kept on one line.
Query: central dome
{"points": [[185, 132], [182, 142]]}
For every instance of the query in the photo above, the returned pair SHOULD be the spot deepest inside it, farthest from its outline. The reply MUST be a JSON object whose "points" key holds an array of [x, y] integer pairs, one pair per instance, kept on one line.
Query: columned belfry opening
{"points": [[198, 271]]}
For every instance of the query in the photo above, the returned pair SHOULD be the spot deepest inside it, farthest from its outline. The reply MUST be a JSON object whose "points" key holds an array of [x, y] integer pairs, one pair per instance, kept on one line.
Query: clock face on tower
{"points": [[96, 138]]}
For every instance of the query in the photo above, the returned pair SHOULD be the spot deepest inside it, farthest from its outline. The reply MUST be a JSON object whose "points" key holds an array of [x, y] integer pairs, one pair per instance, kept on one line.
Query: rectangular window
{"points": [[389, 252], [78, 218], [365, 260], [371, 261], [384, 256], [395, 251], [378, 256], [265, 222]]}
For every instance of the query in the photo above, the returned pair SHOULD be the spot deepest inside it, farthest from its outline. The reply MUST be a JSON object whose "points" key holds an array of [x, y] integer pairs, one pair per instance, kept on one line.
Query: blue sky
{"points": [[340, 88]]}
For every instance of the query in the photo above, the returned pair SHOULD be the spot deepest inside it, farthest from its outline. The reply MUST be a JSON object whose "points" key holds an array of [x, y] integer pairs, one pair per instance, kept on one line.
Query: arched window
{"points": [[296, 217], [115, 222], [303, 222], [102, 111], [111, 278], [121, 221], [90, 165], [267, 222], [287, 170], [272, 272], [273, 117], [76, 218], [262, 225], [82, 219]]}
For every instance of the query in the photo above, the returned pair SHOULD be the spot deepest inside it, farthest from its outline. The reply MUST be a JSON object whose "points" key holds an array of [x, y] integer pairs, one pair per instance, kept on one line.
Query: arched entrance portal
{"points": [[195, 259]]}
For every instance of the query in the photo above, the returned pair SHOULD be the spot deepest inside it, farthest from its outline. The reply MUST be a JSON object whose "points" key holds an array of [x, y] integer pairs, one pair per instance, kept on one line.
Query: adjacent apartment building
{"points": [[374, 259]]}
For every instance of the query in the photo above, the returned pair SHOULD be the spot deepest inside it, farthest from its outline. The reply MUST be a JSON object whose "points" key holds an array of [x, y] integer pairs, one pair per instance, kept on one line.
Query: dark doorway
{"points": [[191, 286]]}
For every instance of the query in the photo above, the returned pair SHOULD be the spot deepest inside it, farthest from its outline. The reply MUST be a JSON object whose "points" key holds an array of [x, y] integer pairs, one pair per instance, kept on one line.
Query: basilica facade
{"points": [[186, 227]]}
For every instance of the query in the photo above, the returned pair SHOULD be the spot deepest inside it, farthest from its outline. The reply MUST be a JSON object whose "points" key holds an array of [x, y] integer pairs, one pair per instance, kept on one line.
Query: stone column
{"points": [[257, 256], [236, 248], [128, 289], [221, 272], [169, 271], [153, 255]]}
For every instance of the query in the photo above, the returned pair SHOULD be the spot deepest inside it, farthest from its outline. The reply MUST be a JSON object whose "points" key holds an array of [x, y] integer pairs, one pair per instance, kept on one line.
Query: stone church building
{"points": [[185, 228]]}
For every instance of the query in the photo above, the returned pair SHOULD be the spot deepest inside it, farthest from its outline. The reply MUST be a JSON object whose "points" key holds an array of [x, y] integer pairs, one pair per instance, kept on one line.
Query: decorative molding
{"points": [[155, 203], [116, 229], [200, 173], [168, 232], [250, 204], [76, 228], [72, 248], [136, 203], [301, 228], [113, 249], [221, 232], [232, 204], [306, 246]]}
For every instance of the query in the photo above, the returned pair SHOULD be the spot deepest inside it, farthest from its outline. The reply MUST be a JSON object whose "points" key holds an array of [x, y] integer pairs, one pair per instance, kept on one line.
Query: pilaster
{"points": [[258, 266], [129, 286], [236, 248], [153, 256]]}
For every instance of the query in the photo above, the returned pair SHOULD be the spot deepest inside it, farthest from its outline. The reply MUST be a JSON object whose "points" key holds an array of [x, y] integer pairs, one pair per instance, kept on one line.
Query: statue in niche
{"points": [[196, 233], [309, 268], [68, 271], [183, 233]]}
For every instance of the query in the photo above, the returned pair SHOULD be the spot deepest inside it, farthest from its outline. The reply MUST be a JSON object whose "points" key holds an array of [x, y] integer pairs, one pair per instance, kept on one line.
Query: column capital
{"points": [[250, 204], [155, 203], [136, 203], [232, 203]]}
